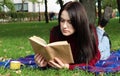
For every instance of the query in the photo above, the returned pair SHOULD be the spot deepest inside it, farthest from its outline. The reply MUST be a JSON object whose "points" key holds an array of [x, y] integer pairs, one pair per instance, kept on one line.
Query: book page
{"points": [[38, 45], [58, 43], [63, 52], [38, 40]]}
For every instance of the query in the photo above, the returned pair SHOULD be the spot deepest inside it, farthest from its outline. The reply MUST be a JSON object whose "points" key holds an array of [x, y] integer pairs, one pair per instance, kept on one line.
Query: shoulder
{"points": [[55, 34], [100, 31], [92, 27], [55, 28]]}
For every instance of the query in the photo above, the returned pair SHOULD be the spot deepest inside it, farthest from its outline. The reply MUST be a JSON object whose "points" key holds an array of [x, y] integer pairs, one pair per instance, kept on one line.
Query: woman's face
{"points": [[65, 24]]}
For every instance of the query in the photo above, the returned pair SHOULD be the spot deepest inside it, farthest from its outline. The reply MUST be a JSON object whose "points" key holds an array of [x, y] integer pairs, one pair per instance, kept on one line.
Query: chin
{"points": [[66, 34]]}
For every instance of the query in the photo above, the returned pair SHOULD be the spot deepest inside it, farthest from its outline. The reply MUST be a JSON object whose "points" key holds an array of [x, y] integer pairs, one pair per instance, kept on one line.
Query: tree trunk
{"points": [[22, 7], [99, 11], [46, 13], [90, 9], [118, 2], [60, 2], [34, 7], [39, 12], [80, 1]]}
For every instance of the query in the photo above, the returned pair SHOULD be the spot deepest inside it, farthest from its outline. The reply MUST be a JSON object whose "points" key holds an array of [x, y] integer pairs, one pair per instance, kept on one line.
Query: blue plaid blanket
{"points": [[112, 64]]}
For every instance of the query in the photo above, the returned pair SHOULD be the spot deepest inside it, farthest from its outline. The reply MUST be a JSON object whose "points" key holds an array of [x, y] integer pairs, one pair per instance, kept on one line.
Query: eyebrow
{"points": [[65, 19]]}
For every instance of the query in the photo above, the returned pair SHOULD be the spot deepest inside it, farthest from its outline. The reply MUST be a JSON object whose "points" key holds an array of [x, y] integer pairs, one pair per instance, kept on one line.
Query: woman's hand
{"points": [[57, 63], [40, 61]]}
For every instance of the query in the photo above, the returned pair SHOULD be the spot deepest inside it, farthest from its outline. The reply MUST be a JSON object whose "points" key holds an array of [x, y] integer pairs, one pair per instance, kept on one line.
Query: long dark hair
{"points": [[86, 46]]}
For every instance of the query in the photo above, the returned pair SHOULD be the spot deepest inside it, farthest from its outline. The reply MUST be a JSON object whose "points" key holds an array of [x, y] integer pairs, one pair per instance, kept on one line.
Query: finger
{"points": [[40, 58], [39, 62], [55, 65], [59, 61], [37, 55], [51, 64], [43, 61]]}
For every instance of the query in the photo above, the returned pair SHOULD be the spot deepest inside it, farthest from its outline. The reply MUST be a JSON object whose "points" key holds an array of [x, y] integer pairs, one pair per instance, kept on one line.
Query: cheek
{"points": [[72, 29], [61, 25]]}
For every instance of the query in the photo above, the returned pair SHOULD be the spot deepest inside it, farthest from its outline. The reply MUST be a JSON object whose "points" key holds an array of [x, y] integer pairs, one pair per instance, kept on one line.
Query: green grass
{"points": [[113, 29], [14, 43], [14, 37]]}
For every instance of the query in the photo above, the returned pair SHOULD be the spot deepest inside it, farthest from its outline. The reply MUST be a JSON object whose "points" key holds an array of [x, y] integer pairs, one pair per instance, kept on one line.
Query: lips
{"points": [[65, 31]]}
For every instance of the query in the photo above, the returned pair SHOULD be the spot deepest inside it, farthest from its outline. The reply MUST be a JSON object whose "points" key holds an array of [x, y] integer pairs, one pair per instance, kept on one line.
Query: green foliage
{"points": [[21, 16], [111, 3], [2, 15], [7, 3], [0, 9], [33, 1]]}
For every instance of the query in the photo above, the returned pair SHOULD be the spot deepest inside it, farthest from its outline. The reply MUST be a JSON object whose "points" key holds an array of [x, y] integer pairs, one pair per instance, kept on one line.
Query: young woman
{"points": [[74, 27]]}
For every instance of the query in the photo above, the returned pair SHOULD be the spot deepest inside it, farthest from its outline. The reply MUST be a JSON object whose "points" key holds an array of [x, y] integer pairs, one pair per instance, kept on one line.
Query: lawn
{"points": [[113, 30], [14, 43]]}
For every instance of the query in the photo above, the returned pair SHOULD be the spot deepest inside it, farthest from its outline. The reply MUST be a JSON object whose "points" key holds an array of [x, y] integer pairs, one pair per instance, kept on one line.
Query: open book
{"points": [[60, 49]]}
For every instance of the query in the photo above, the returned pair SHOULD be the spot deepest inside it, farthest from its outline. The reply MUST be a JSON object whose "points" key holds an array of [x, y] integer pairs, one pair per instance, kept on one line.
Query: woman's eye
{"points": [[62, 20], [69, 22]]}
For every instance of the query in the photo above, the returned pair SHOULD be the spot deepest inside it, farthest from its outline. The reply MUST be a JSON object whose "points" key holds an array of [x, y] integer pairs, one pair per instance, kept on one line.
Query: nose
{"points": [[65, 24]]}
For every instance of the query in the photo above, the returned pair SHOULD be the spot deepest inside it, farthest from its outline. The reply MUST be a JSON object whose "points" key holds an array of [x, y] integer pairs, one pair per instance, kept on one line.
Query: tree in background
{"points": [[6, 3], [102, 4], [33, 1], [46, 12], [90, 8], [118, 3], [99, 11], [60, 2], [46, 8], [111, 3], [22, 7], [40, 2]]}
